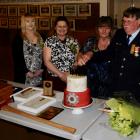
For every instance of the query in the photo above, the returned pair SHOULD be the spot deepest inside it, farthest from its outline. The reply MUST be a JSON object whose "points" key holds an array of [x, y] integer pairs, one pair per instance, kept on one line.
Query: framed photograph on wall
{"points": [[3, 10], [84, 10], [43, 24], [12, 22], [12, 10], [34, 10], [57, 10], [45, 10], [22, 9], [3, 22], [72, 24], [70, 10]]}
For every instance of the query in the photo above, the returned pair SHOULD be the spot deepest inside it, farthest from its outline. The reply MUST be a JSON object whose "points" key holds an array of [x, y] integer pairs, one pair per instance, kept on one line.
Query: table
{"points": [[100, 130], [81, 122]]}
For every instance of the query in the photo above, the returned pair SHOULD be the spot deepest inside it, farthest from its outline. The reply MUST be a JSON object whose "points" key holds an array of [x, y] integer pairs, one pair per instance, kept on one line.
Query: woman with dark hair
{"points": [[60, 53], [96, 55]]}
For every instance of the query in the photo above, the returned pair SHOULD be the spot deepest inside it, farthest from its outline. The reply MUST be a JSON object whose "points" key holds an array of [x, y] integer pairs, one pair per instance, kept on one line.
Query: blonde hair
{"points": [[23, 24]]}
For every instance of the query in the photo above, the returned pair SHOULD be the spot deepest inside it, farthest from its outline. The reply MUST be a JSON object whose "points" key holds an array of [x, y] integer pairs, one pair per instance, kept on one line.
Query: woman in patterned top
{"points": [[27, 53], [60, 53]]}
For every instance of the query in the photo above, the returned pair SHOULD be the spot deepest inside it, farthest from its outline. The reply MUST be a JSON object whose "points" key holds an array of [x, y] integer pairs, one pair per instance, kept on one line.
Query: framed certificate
{"points": [[70, 10], [45, 10], [12, 10], [43, 24], [84, 10], [37, 104], [3, 10], [27, 94], [3, 22], [22, 9], [57, 10], [34, 10], [13, 22]]}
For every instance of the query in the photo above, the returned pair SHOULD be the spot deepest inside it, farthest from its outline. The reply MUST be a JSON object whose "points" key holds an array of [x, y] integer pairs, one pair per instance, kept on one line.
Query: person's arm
{"points": [[86, 52], [82, 59], [50, 66]]}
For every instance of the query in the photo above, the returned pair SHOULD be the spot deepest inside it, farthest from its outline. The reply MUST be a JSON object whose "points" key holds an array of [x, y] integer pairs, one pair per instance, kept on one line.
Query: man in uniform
{"points": [[126, 47]]}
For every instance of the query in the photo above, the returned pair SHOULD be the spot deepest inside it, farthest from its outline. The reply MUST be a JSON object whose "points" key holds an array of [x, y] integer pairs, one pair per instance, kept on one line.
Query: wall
{"points": [[120, 6], [103, 3], [81, 33]]}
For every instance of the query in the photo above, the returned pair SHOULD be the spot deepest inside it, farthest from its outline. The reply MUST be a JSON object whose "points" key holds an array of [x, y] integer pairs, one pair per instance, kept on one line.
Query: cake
{"points": [[76, 93]]}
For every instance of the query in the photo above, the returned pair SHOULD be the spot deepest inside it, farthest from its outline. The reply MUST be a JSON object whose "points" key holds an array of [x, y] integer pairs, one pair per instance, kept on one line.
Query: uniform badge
{"points": [[135, 50]]}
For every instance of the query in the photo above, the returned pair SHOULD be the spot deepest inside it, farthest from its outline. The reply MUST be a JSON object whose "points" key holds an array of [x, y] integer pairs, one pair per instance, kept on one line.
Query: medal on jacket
{"points": [[135, 50], [132, 50]]}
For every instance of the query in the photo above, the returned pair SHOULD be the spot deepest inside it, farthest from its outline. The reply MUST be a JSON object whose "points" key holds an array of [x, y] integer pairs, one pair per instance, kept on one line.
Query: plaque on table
{"points": [[36, 104], [48, 88], [27, 93]]}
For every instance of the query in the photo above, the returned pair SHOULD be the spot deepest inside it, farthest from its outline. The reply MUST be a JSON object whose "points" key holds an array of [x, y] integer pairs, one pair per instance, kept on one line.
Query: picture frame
{"points": [[3, 10], [22, 9], [57, 10], [43, 24], [34, 10], [13, 24], [12, 10], [72, 24], [27, 93], [84, 10], [70, 10], [37, 104], [3, 22], [45, 10]]}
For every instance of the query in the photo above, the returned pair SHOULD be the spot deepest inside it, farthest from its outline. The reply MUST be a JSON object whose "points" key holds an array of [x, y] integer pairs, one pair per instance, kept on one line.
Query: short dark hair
{"points": [[105, 21], [61, 18], [132, 12]]}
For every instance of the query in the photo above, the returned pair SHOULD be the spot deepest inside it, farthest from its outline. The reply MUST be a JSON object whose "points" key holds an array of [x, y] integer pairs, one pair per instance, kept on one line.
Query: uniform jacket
{"points": [[126, 63]]}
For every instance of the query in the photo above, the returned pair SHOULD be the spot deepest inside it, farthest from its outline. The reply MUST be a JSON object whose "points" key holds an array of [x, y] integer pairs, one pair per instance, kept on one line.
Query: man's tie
{"points": [[128, 39]]}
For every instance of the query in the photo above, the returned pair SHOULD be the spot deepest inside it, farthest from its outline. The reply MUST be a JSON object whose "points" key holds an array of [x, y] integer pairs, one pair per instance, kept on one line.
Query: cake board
{"points": [[78, 110]]}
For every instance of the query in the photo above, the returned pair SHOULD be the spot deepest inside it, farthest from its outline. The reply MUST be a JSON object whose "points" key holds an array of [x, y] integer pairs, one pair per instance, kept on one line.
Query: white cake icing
{"points": [[76, 83]]}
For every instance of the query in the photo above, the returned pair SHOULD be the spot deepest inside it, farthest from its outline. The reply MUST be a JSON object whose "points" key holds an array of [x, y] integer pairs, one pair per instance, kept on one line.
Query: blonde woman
{"points": [[27, 53]]}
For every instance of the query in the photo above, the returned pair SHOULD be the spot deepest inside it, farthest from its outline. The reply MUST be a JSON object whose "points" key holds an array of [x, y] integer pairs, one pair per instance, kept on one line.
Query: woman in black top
{"points": [[96, 55]]}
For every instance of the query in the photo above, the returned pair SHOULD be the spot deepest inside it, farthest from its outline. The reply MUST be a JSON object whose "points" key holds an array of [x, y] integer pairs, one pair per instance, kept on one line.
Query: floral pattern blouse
{"points": [[63, 54], [33, 60]]}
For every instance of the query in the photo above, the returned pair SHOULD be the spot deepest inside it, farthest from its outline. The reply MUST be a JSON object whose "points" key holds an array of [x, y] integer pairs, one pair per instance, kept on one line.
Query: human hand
{"points": [[84, 58], [30, 74], [38, 72], [63, 76]]}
